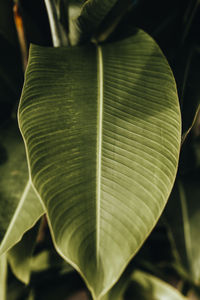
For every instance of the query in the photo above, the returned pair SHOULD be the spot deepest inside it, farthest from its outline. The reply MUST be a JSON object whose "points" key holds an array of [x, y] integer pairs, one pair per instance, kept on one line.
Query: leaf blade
{"points": [[140, 111]]}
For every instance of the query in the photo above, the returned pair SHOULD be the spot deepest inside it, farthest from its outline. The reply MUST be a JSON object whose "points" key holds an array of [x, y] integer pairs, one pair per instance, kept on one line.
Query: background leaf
{"points": [[21, 206], [20, 256], [104, 158], [140, 285], [92, 15], [147, 287]]}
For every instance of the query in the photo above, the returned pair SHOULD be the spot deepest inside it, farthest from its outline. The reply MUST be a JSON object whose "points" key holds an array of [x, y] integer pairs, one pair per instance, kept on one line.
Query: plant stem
{"points": [[59, 36], [3, 276]]}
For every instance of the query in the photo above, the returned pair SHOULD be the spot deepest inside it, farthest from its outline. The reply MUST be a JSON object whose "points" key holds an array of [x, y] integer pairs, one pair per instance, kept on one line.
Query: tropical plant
{"points": [[90, 152]]}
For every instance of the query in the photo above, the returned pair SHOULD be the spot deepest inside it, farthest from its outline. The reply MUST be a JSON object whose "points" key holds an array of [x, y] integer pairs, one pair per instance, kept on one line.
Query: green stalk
{"points": [[58, 34], [3, 276]]}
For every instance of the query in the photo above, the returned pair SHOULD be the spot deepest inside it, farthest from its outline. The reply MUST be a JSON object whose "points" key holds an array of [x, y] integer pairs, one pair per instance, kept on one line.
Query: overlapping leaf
{"points": [[102, 130], [20, 256], [92, 14], [20, 207], [142, 286], [145, 286]]}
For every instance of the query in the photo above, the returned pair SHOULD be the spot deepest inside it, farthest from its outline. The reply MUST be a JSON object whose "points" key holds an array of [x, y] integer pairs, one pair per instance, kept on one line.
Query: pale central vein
{"points": [[99, 144]]}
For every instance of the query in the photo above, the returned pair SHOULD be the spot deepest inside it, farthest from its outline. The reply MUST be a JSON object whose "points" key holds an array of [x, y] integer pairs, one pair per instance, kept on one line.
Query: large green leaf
{"points": [[184, 204], [20, 207], [102, 132]]}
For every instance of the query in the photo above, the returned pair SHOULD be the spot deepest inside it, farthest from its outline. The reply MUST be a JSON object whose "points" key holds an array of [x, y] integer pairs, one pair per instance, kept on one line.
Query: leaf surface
{"points": [[146, 286], [142, 286], [102, 132], [20, 207], [20, 256]]}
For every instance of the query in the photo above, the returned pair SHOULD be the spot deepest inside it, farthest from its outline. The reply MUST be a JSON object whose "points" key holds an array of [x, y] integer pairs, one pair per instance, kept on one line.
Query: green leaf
{"points": [[142, 286], [21, 206], [3, 276], [40, 262], [102, 132], [49, 260], [147, 287], [92, 14], [184, 204], [118, 290], [20, 256]]}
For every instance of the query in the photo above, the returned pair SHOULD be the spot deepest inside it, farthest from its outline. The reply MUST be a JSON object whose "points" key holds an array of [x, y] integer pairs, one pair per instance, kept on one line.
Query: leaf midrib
{"points": [[99, 146]]}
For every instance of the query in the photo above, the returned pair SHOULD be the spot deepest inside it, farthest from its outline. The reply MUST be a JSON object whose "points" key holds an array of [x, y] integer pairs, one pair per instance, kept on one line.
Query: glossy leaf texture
{"points": [[102, 133], [184, 204], [21, 206]]}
